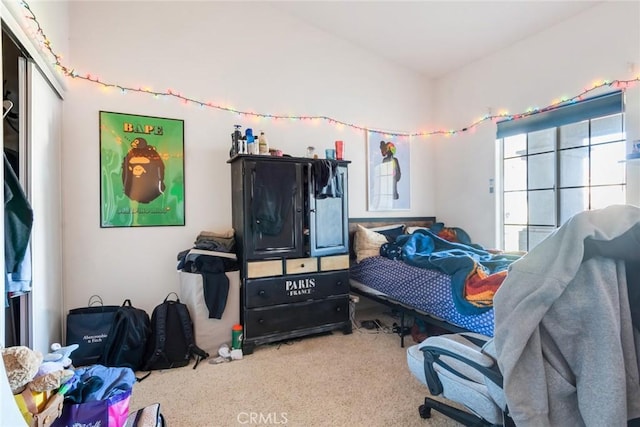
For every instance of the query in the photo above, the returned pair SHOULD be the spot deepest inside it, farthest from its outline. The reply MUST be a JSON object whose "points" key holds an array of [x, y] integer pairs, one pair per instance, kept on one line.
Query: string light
{"points": [[69, 72]]}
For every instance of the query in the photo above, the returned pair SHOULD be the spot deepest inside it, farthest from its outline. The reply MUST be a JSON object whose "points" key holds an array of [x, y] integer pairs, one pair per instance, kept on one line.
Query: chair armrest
{"points": [[458, 347], [468, 346]]}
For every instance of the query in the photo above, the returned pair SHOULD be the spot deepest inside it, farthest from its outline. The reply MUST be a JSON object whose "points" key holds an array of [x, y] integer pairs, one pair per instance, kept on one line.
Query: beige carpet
{"points": [[359, 379]]}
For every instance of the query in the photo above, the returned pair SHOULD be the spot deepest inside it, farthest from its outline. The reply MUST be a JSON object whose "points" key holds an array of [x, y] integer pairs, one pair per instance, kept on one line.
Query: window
{"points": [[558, 163]]}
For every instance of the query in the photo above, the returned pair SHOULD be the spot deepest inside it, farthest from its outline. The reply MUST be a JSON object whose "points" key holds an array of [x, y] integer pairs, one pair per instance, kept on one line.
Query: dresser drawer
{"points": [[292, 317], [295, 288], [301, 265], [337, 262], [264, 268]]}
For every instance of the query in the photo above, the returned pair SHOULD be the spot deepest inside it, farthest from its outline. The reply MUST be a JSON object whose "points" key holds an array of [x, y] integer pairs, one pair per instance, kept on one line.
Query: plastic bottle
{"points": [[236, 141], [251, 141], [236, 336], [263, 145], [311, 152]]}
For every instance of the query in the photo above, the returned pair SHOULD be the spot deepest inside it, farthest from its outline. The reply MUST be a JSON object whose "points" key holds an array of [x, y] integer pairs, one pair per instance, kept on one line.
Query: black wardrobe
{"points": [[290, 217]]}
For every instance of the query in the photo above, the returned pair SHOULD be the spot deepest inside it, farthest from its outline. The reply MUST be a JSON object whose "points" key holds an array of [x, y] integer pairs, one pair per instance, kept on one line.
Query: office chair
{"points": [[461, 368]]}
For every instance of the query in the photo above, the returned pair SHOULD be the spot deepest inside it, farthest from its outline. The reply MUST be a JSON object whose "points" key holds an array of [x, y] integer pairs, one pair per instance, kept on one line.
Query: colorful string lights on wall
{"points": [[618, 84]]}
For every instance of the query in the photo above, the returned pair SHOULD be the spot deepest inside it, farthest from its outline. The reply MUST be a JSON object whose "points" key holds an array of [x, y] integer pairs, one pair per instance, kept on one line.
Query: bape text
{"points": [[141, 128]]}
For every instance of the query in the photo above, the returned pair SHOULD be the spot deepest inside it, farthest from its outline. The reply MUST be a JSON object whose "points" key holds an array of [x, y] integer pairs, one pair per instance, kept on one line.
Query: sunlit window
{"points": [[559, 164]]}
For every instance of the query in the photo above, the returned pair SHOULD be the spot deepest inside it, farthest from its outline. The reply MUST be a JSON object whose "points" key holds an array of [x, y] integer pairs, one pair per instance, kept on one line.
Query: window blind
{"points": [[597, 106]]}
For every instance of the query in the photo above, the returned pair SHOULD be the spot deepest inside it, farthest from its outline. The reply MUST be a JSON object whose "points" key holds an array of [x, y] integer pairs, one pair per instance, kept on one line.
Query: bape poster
{"points": [[141, 170]]}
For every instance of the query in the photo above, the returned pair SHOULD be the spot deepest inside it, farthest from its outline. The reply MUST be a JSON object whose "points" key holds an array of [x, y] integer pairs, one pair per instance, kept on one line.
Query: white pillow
{"points": [[366, 243]]}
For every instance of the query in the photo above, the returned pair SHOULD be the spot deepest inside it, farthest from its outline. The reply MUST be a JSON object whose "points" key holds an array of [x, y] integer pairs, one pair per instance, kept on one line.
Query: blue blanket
{"points": [[468, 265]]}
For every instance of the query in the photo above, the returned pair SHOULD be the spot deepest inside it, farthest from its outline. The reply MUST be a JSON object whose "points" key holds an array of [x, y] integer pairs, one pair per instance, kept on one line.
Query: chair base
{"points": [[456, 414]]}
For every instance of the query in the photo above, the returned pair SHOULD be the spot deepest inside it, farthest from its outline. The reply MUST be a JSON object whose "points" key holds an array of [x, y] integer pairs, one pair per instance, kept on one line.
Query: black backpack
{"points": [[127, 340], [172, 344]]}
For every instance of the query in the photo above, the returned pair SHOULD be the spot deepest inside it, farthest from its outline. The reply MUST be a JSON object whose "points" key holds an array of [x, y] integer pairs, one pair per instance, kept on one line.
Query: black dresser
{"points": [[290, 217]]}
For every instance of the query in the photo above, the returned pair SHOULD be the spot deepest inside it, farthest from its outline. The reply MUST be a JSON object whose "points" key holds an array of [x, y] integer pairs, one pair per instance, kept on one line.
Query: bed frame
{"points": [[403, 309]]}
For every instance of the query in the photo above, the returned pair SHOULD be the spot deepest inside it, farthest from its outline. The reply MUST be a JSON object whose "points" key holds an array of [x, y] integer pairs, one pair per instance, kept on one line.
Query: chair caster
{"points": [[425, 411]]}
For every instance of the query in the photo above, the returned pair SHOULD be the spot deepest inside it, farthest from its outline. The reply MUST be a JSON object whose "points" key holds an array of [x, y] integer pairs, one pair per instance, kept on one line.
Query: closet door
{"points": [[329, 219], [17, 315], [273, 198], [44, 133]]}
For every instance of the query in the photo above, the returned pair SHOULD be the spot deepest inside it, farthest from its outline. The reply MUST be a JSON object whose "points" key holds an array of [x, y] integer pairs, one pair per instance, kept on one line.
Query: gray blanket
{"points": [[563, 330]]}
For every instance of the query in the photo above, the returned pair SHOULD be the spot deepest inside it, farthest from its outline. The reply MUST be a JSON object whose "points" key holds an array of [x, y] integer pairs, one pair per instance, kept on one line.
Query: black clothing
{"points": [[215, 284], [326, 182], [18, 219]]}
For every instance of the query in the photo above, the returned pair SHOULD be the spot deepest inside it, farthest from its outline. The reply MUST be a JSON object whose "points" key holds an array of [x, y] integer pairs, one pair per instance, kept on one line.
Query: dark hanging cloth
{"points": [[215, 283], [186, 261], [18, 219], [326, 181], [12, 157]]}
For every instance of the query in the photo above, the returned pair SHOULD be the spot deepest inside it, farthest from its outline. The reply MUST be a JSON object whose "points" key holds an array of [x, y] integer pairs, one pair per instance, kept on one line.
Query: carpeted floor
{"points": [[359, 379]]}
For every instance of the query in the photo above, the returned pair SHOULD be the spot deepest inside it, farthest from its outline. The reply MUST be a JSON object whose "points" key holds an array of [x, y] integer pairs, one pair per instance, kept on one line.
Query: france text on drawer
{"points": [[264, 269], [302, 265], [338, 262]]}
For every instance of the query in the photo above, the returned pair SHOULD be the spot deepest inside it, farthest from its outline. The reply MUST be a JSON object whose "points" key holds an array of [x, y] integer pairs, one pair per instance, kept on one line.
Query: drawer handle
{"points": [[261, 321], [302, 265], [261, 292], [338, 309], [339, 283]]}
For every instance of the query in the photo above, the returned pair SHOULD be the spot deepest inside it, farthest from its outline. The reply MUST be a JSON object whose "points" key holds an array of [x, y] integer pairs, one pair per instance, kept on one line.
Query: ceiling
{"points": [[433, 37]]}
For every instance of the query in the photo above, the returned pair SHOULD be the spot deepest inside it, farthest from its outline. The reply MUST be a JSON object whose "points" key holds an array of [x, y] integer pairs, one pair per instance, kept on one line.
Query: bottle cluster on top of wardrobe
{"points": [[248, 143]]}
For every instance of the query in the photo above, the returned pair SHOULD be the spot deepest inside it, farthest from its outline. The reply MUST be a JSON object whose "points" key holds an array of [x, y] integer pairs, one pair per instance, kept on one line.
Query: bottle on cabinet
{"points": [[236, 141], [263, 145], [252, 147]]}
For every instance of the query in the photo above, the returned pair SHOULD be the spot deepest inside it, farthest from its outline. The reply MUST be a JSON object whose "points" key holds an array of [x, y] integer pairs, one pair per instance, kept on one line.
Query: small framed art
{"points": [[388, 172]]}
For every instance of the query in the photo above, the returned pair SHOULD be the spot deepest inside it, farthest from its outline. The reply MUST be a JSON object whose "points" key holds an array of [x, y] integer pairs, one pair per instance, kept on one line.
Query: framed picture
{"points": [[141, 171], [388, 172]]}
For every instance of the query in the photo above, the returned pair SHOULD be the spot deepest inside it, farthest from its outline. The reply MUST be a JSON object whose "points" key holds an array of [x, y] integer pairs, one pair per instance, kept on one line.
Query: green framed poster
{"points": [[141, 171]]}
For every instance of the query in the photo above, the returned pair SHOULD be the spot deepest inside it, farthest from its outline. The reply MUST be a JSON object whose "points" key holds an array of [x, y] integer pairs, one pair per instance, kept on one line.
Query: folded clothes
{"points": [[228, 233], [215, 241]]}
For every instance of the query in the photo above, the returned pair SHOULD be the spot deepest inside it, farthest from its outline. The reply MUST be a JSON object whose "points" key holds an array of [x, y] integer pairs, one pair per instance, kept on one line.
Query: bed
{"points": [[413, 291]]}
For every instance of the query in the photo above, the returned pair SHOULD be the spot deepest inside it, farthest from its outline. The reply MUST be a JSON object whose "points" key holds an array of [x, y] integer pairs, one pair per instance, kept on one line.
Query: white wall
{"points": [[561, 61], [246, 55]]}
